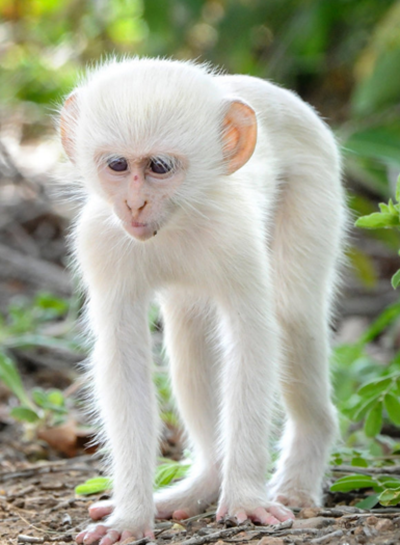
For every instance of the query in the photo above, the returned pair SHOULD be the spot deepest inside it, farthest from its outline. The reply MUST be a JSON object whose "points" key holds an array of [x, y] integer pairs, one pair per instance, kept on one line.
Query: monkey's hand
{"points": [[267, 513], [115, 529]]}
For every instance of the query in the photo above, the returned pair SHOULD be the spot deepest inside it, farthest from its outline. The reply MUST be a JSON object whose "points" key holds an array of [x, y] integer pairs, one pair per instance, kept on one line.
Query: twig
{"points": [[260, 532], [49, 467], [30, 539], [388, 470], [230, 532], [321, 539]]}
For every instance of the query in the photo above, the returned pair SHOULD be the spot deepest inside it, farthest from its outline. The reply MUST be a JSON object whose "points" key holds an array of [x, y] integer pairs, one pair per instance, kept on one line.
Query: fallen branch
{"points": [[230, 532], [385, 470], [33, 271]]}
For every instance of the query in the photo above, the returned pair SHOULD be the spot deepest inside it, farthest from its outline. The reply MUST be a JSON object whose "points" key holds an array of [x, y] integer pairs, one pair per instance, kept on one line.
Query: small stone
{"points": [[309, 512], [359, 531], [384, 525], [55, 485], [371, 521], [271, 541], [313, 522]]}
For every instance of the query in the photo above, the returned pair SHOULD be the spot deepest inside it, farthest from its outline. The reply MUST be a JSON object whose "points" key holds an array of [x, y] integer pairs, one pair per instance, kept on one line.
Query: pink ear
{"points": [[68, 120], [239, 135]]}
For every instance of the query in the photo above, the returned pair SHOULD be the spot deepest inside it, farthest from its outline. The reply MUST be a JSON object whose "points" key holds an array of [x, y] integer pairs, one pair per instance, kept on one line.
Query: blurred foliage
{"points": [[342, 56]]}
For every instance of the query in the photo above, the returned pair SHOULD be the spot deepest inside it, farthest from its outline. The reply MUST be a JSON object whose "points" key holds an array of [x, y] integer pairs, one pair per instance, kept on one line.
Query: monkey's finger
{"points": [[180, 514], [281, 512], [221, 513], [80, 536], [94, 534], [150, 534], [126, 534], [111, 537], [241, 516], [100, 509], [262, 516]]}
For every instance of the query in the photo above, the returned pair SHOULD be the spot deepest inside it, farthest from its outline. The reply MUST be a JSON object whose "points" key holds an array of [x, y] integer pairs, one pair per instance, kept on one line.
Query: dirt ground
{"points": [[38, 505]]}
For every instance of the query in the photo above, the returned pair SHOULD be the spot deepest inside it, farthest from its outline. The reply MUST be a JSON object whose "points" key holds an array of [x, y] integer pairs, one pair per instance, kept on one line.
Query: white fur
{"points": [[245, 266]]}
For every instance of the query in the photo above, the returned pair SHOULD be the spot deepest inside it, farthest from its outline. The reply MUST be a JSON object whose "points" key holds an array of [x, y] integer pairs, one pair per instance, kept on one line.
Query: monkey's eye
{"points": [[160, 166], [118, 165]]}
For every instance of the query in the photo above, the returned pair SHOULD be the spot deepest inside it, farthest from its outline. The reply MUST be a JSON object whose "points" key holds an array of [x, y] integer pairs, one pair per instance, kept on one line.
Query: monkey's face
{"points": [[153, 138], [140, 189]]}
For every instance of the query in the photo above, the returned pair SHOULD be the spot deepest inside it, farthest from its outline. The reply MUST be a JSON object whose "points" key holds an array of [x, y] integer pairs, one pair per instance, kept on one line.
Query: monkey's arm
{"points": [[120, 377]]}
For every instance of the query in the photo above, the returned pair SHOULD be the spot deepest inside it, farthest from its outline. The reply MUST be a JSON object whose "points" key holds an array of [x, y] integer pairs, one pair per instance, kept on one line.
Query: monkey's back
{"points": [[293, 128]]}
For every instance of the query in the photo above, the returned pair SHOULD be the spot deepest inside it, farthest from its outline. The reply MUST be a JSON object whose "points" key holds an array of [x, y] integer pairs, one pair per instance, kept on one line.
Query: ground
{"points": [[38, 505]]}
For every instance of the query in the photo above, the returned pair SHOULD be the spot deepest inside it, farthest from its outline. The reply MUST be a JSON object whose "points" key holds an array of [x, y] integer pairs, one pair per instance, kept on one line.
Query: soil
{"points": [[38, 505]]}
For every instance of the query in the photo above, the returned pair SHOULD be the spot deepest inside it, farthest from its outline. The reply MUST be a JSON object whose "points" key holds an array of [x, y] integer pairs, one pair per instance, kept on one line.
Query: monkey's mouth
{"points": [[140, 230]]}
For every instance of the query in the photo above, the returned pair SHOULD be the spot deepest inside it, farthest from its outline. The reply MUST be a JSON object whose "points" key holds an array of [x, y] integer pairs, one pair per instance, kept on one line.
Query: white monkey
{"points": [[221, 194]]}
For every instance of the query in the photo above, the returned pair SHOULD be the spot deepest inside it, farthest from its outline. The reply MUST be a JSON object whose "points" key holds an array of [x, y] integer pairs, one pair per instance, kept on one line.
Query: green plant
{"points": [[374, 399], [41, 407], [166, 472], [32, 323], [386, 489], [387, 218]]}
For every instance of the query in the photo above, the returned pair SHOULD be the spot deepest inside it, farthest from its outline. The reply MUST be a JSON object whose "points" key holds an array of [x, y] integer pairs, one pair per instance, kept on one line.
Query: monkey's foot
{"points": [[110, 533], [268, 513], [295, 498], [187, 498]]}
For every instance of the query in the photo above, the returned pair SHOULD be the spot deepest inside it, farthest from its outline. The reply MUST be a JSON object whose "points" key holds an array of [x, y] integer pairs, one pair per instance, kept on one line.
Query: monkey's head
{"points": [[152, 138]]}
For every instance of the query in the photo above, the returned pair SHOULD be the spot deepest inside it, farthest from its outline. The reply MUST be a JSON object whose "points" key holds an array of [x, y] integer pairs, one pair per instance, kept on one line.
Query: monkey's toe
{"points": [[91, 534], [101, 509]]}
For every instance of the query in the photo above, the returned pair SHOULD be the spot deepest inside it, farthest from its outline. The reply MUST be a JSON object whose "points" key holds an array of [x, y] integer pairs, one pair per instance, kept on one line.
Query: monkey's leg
{"points": [[189, 331], [125, 400], [251, 341], [306, 248]]}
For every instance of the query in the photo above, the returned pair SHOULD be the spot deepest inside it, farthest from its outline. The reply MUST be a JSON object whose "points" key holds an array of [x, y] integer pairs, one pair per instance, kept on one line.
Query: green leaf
{"points": [[392, 406], [390, 497], [373, 421], [374, 387], [93, 486], [51, 401], [167, 472], [389, 315], [369, 502], [393, 209], [358, 461], [396, 279], [378, 220], [361, 409], [39, 397], [48, 301], [353, 482], [11, 378], [24, 414], [384, 207], [388, 481], [56, 397]]}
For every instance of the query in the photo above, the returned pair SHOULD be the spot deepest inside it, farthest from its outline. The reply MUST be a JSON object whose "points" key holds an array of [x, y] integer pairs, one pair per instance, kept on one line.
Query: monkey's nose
{"points": [[137, 208]]}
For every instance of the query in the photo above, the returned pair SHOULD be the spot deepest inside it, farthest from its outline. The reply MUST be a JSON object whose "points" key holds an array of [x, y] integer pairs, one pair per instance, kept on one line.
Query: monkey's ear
{"points": [[68, 121], [239, 135]]}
